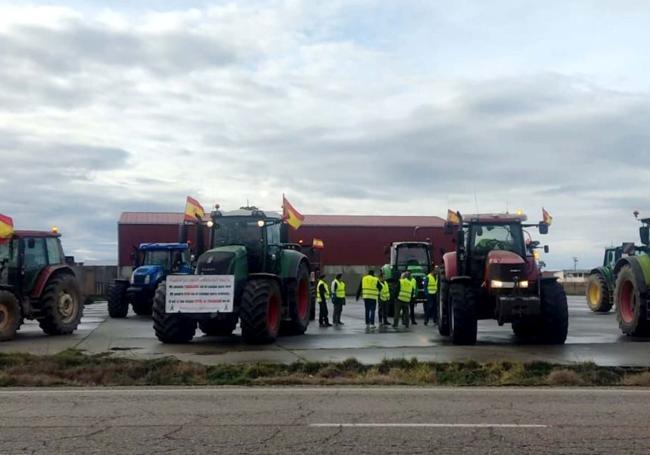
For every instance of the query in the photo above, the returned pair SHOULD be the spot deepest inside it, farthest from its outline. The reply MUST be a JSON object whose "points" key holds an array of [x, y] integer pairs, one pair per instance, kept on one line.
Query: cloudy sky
{"points": [[359, 107]]}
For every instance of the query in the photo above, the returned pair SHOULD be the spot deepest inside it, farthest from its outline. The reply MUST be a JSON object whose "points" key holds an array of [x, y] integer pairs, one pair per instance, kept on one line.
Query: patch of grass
{"points": [[74, 368]]}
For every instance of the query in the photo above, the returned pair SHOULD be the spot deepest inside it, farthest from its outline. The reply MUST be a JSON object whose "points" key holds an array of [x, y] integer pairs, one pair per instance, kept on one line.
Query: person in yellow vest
{"points": [[384, 300], [369, 288], [322, 295], [430, 290], [404, 296], [338, 298], [414, 283]]}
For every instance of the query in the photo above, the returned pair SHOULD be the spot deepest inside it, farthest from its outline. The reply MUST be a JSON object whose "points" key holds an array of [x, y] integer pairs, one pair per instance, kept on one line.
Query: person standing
{"points": [[430, 290], [338, 297], [384, 300], [414, 284], [369, 288], [404, 298], [323, 295]]}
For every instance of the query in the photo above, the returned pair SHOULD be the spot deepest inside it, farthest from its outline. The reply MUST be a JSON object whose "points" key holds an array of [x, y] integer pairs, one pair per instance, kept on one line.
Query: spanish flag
{"points": [[6, 227], [452, 217], [291, 215], [193, 210], [546, 217]]}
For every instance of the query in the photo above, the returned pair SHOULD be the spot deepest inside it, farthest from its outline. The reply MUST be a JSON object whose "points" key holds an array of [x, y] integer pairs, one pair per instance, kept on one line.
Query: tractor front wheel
{"points": [[464, 326], [118, 305], [598, 294], [10, 317], [170, 328], [443, 309], [555, 313], [219, 326], [261, 311], [61, 307], [299, 297], [630, 308]]}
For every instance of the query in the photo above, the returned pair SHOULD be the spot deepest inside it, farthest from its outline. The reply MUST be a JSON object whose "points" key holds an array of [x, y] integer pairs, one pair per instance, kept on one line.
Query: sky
{"points": [[390, 107]]}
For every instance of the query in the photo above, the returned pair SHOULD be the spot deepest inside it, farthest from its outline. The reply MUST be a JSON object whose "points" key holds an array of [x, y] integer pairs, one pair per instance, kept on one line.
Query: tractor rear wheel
{"points": [[219, 326], [10, 317], [261, 311], [60, 306], [526, 328], [142, 306], [118, 305], [298, 299], [170, 328], [443, 309], [464, 326], [554, 324], [598, 294], [630, 308]]}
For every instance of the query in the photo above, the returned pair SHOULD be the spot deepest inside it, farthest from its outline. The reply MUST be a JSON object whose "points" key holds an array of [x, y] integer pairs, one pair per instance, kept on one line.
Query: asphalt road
{"points": [[329, 420], [592, 337]]}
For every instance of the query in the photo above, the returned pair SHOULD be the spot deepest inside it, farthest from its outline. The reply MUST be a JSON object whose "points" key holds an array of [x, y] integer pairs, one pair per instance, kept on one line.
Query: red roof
{"points": [[310, 220]]}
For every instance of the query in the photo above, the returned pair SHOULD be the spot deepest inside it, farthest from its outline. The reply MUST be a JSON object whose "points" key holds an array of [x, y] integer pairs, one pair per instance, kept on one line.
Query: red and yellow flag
{"points": [[546, 217], [6, 227], [291, 215], [452, 217], [193, 210]]}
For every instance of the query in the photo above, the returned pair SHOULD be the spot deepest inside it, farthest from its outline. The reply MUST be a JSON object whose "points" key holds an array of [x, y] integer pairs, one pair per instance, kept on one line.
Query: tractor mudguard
{"points": [[44, 278], [640, 266], [460, 279], [291, 261], [450, 261]]}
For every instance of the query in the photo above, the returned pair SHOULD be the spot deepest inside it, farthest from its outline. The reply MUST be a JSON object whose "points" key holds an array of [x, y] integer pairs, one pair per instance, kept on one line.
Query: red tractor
{"points": [[37, 283], [493, 274]]}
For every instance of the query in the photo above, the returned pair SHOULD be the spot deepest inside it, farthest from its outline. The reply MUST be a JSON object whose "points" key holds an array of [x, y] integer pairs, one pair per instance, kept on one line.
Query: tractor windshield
{"points": [[237, 231], [410, 256], [487, 237], [157, 257]]}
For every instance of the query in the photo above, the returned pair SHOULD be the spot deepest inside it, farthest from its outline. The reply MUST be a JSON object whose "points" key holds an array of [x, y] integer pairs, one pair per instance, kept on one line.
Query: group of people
{"points": [[378, 296]]}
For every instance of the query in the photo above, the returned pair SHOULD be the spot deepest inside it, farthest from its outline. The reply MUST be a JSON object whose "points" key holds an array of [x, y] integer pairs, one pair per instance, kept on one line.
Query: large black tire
{"points": [[464, 325], [221, 326], [10, 317], [61, 306], [118, 305], [630, 307], [444, 309], [555, 313], [312, 302], [261, 311], [170, 328], [526, 328], [298, 300], [142, 306], [599, 298]]}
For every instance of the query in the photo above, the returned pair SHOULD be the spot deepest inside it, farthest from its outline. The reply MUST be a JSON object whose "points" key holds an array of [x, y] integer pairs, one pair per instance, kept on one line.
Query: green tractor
{"points": [[601, 280], [37, 283], [414, 257], [269, 290], [632, 288]]}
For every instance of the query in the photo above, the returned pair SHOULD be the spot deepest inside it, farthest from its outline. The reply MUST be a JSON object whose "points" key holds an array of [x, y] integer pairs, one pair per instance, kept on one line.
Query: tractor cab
{"points": [[413, 257], [156, 260]]}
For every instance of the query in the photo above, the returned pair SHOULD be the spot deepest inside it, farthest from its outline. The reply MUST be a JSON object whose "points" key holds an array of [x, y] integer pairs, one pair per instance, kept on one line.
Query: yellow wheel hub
{"points": [[594, 294]]}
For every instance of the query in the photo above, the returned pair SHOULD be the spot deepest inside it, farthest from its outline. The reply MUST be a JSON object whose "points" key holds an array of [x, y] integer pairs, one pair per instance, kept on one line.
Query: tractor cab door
{"points": [[611, 257], [9, 269], [34, 252], [273, 249]]}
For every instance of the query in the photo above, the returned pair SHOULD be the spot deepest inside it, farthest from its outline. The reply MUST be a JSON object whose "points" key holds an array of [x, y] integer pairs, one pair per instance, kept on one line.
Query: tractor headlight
{"points": [[523, 284], [496, 284]]}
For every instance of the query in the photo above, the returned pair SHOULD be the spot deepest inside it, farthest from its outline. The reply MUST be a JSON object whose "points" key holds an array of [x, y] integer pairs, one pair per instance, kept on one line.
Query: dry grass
{"points": [[73, 368]]}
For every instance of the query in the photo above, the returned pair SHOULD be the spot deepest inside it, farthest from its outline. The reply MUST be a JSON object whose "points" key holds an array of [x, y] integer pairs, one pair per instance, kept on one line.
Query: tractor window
{"points": [[273, 234], [159, 257], [35, 253], [485, 238], [237, 231], [8, 252], [412, 256], [53, 251]]}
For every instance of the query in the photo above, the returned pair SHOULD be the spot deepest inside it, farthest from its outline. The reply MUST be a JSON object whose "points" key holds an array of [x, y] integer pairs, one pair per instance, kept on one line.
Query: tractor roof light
{"points": [[55, 230], [210, 223], [260, 223]]}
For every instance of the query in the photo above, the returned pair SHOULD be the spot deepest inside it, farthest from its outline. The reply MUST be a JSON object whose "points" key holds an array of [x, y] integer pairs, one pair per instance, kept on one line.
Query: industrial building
{"points": [[352, 243]]}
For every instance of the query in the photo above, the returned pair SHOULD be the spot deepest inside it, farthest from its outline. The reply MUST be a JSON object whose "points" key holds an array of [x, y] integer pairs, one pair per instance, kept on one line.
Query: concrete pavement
{"points": [[324, 420], [592, 337]]}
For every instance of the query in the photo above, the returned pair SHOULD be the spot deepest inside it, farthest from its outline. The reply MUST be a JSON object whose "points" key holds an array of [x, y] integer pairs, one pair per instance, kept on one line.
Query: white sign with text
{"points": [[200, 293]]}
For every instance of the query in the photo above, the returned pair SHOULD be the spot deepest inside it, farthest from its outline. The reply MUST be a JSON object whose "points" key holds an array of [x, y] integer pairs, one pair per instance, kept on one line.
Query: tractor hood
{"points": [[504, 257], [223, 260], [146, 274]]}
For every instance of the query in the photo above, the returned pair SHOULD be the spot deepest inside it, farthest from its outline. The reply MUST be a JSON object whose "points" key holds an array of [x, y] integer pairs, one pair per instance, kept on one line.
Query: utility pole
{"points": [[575, 264]]}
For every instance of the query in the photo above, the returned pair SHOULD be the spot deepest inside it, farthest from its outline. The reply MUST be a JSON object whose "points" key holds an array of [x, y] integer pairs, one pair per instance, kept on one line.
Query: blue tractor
{"points": [[153, 262]]}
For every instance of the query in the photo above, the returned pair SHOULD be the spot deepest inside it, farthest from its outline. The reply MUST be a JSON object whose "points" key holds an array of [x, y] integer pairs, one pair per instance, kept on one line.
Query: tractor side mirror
{"points": [[543, 228], [546, 249], [644, 233]]}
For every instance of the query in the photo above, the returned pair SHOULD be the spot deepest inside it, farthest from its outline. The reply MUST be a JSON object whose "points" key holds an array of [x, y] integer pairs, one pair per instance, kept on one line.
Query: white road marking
{"points": [[425, 425]]}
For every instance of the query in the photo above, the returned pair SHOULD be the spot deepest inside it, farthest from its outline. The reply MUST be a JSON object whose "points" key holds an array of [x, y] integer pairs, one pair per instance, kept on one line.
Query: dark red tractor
{"points": [[493, 274], [37, 283]]}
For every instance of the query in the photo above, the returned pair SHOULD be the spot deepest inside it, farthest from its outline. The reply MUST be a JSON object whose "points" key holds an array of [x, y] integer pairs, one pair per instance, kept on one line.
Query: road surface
{"points": [[324, 420]]}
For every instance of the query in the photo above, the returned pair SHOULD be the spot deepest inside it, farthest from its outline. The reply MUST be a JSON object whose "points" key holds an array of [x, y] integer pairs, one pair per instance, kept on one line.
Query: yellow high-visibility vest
{"points": [[432, 285], [369, 287], [405, 290], [384, 295], [322, 284], [340, 289]]}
